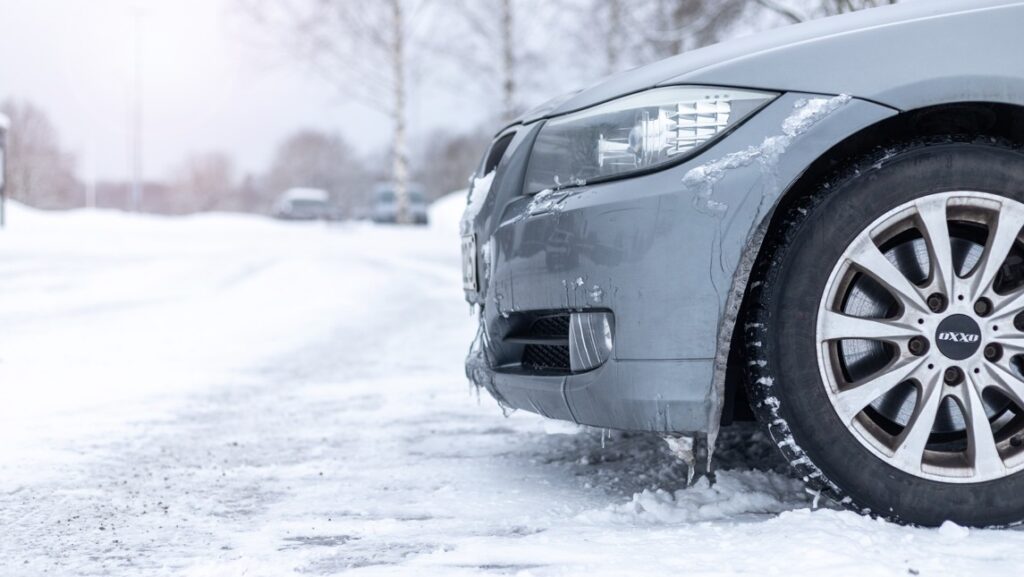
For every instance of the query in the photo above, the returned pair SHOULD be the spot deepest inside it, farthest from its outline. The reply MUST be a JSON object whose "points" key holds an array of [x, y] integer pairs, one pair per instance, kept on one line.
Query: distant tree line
{"points": [[381, 53], [39, 171]]}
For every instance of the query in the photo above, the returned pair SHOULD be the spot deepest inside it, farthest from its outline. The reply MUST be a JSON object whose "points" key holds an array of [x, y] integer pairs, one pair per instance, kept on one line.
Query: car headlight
{"points": [[636, 133]]}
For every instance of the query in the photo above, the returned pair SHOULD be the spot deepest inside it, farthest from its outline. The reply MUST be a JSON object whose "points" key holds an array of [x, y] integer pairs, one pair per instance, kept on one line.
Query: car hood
{"points": [[888, 54]]}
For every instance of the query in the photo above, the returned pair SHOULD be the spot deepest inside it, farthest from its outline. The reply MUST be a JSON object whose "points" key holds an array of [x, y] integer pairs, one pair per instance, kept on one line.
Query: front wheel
{"points": [[886, 335]]}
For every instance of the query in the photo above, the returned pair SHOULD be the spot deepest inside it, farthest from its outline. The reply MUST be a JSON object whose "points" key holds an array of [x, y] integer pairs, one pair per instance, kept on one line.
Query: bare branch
{"points": [[790, 14]]}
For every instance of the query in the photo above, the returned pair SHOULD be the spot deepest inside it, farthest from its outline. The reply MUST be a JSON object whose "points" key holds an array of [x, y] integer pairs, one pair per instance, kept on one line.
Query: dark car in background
{"points": [[385, 204]]}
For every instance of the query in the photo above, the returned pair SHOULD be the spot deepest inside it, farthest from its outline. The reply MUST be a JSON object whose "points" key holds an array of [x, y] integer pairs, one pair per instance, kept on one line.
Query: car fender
{"points": [[808, 125]]}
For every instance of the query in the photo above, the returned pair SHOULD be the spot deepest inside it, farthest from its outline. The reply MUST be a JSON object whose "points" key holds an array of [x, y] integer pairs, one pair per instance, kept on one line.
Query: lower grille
{"points": [[546, 358], [561, 343], [555, 326], [545, 340]]}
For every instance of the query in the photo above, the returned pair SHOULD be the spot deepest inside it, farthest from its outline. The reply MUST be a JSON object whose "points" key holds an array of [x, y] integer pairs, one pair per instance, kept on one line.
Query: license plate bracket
{"points": [[469, 266]]}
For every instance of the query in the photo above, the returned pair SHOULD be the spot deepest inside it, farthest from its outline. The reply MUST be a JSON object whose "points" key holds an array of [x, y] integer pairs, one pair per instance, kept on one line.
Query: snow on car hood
{"points": [[889, 54]]}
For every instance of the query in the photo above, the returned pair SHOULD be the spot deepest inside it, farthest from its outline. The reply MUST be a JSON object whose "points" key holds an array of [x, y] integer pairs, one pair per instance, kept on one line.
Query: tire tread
{"points": [[761, 376]]}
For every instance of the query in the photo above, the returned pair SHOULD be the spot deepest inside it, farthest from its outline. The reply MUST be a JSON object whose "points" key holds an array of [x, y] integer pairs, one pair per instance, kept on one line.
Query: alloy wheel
{"points": [[920, 337]]}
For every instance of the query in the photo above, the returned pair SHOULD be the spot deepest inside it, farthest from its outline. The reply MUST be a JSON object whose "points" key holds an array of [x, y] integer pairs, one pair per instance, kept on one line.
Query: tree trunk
{"points": [[508, 62], [400, 167], [613, 42], [677, 21]]}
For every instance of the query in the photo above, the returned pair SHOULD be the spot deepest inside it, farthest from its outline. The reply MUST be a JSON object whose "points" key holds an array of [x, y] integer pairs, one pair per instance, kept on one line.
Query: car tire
{"points": [[801, 368]]}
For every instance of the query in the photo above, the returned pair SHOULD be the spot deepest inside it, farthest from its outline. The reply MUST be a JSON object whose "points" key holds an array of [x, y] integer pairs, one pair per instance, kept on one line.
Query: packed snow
{"points": [[225, 395]]}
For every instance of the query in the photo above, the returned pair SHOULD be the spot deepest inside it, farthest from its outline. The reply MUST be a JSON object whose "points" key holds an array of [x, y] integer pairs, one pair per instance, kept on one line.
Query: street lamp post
{"points": [[4, 126], [136, 146]]}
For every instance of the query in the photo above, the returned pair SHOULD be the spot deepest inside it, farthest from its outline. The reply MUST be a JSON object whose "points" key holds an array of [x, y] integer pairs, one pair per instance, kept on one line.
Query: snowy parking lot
{"points": [[233, 396]]}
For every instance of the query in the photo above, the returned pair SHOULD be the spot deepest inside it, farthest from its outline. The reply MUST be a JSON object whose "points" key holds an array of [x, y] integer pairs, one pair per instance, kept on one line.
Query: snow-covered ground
{"points": [[232, 396]]}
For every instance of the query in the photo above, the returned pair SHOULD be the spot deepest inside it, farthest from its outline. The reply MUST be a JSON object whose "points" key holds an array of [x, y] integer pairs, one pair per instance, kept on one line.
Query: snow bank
{"points": [[734, 494], [101, 309], [446, 212]]}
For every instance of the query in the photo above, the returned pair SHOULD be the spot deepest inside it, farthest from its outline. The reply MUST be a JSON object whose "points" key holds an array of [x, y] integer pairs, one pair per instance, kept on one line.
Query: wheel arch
{"points": [[970, 119]]}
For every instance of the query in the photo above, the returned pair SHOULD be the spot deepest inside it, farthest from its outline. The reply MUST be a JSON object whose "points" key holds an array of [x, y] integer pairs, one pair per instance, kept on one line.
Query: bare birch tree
{"points": [[602, 37], [505, 48], [363, 49], [487, 51]]}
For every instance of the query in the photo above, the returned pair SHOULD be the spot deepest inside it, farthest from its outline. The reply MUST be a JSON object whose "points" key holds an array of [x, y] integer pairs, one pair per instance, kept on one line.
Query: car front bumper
{"points": [[649, 252]]}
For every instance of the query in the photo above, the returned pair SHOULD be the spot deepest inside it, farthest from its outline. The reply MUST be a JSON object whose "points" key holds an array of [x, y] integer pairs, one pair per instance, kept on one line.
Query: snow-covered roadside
{"points": [[225, 396], [101, 310]]}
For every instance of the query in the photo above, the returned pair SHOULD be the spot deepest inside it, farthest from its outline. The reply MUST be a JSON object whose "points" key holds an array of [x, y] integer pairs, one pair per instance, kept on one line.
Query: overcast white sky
{"points": [[209, 84]]}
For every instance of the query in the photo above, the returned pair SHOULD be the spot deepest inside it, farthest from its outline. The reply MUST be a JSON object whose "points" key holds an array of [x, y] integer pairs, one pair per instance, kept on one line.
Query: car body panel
{"points": [[640, 248]]}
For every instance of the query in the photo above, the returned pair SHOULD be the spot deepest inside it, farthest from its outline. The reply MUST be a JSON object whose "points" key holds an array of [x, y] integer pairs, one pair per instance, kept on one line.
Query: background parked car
{"points": [[305, 204], [385, 204]]}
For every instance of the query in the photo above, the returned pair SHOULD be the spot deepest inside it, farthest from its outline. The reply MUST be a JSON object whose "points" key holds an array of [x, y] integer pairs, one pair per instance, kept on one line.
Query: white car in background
{"points": [[305, 204]]}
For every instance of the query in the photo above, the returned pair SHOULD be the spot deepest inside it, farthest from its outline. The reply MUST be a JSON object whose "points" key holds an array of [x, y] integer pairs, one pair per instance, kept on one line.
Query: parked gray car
{"points": [[821, 223], [385, 204]]}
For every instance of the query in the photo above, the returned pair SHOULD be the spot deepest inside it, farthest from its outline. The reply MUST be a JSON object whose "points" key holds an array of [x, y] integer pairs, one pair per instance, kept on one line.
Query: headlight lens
{"points": [[636, 133]]}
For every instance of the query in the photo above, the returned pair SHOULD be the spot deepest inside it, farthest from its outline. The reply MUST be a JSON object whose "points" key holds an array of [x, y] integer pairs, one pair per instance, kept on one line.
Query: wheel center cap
{"points": [[958, 337]]}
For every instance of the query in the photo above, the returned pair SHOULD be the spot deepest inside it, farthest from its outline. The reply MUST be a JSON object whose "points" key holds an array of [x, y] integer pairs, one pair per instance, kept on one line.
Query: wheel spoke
{"points": [[836, 326], [982, 444], [935, 228], [851, 402], [1007, 383], [1013, 343], [866, 256], [1005, 307], [912, 442], [1000, 240]]}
